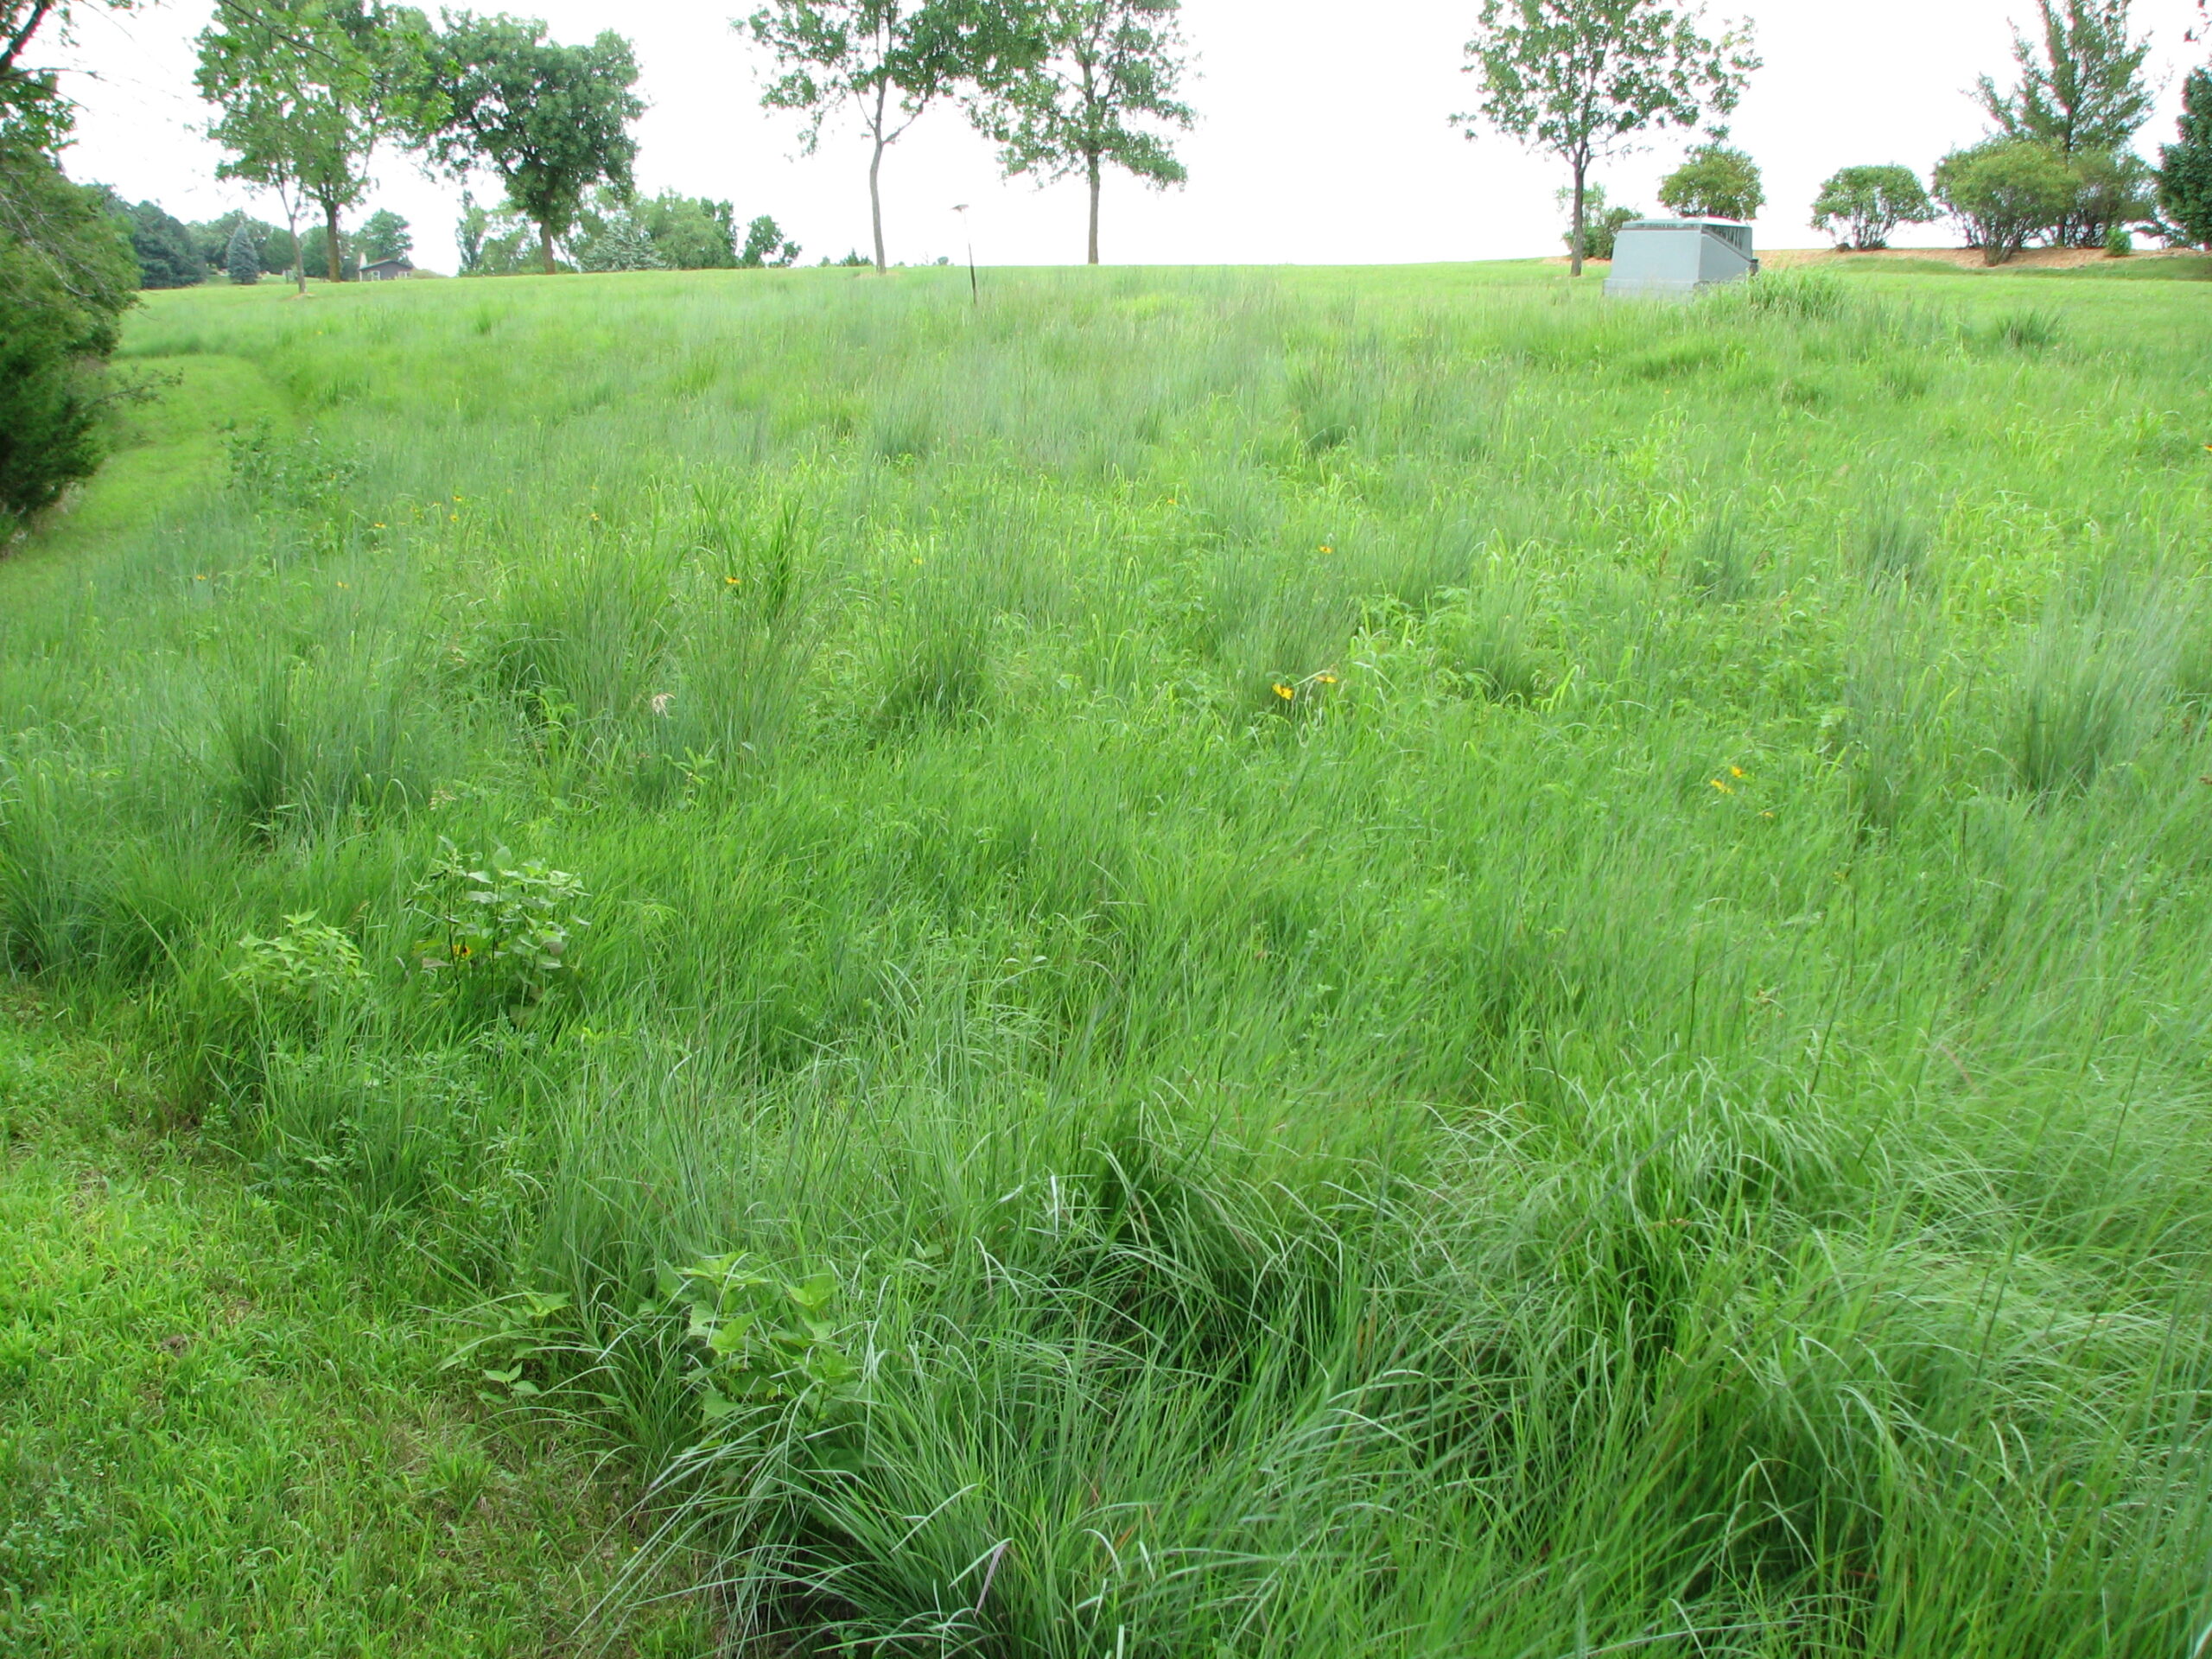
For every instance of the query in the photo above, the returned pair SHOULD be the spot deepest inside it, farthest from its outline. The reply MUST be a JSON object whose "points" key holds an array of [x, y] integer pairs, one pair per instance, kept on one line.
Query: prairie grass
{"points": [[1333, 962]]}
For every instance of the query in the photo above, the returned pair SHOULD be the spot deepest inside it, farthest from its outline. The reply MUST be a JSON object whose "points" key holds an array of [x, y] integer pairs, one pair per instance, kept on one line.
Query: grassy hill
{"points": [[1380, 961]]}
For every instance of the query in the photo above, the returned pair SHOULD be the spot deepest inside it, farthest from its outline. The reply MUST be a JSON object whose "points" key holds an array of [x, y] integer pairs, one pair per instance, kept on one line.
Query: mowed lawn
{"points": [[1172, 963]]}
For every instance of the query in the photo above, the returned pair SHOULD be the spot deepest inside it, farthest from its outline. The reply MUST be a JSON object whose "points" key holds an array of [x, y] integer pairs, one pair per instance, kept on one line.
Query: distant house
{"points": [[388, 270]]}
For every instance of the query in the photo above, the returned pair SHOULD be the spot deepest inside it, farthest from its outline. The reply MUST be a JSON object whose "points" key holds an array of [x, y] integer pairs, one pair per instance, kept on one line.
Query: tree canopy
{"points": [[1104, 84], [887, 62], [307, 90], [1583, 79], [1715, 183], [765, 245], [2080, 85], [387, 236], [2185, 167], [167, 255], [551, 120], [33, 112]]}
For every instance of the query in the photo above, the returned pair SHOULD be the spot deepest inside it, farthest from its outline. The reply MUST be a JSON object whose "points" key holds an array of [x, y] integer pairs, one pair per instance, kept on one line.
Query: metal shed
{"points": [[1659, 257]]}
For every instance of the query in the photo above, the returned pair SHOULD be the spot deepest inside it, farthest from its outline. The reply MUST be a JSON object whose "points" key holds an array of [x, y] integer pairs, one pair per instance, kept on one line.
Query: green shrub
{"points": [[1862, 206], [2111, 190], [66, 274], [1602, 223], [2006, 192]]}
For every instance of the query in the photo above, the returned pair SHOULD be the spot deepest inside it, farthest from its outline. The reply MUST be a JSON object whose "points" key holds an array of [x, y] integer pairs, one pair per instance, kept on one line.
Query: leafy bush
{"points": [[2113, 189], [1602, 223], [1715, 183], [66, 273], [2005, 192], [310, 963], [1862, 206]]}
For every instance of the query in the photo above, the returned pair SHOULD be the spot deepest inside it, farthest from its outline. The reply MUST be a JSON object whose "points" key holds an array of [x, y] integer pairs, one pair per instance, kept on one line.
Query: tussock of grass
{"points": [[1264, 966]]}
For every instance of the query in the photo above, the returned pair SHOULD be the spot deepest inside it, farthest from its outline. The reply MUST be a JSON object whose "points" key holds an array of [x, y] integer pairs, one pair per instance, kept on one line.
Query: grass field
{"points": [[1380, 961]]}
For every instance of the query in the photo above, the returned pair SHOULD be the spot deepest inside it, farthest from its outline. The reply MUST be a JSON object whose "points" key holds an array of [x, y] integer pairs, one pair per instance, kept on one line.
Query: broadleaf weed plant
{"points": [[495, 933]]}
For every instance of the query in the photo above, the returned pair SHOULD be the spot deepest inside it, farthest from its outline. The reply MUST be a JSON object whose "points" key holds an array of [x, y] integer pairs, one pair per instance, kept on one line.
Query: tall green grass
{"points": [[1382, 962]]}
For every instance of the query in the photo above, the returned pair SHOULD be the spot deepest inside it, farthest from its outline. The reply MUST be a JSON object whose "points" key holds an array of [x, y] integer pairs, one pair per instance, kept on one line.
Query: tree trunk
{"points": [[332, 269], [875, 202], [299, 259], [1094, 209], [1581, 211], [545, 247]]}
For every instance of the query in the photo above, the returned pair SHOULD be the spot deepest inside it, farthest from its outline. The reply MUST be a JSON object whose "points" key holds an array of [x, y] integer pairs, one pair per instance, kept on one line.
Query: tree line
{"points": [[1588, 81]]}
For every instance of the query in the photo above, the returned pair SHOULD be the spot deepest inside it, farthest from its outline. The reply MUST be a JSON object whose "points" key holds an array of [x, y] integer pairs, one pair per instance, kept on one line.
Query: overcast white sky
{"points": [[1323, 136]]}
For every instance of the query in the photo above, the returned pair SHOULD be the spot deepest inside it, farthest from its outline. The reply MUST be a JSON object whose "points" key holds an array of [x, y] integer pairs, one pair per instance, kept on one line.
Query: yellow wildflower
{"points": [[1737, 772], [1284, 692], [1723, 787], [1325, 679]]}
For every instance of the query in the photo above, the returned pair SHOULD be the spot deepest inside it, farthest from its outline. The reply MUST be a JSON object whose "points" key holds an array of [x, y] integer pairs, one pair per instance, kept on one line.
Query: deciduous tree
{"points": [[1715, 183], [33, 113], [765, 245], [691, 233], [887, 62], [1862, 206], [387, 236], [307, 90], [551, 120], [1098, 95], [1583, 79]]}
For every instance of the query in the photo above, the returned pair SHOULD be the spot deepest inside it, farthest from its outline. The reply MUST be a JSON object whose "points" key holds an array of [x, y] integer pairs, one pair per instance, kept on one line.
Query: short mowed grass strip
{"points": [[212, 1442], [1197, 963]]}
